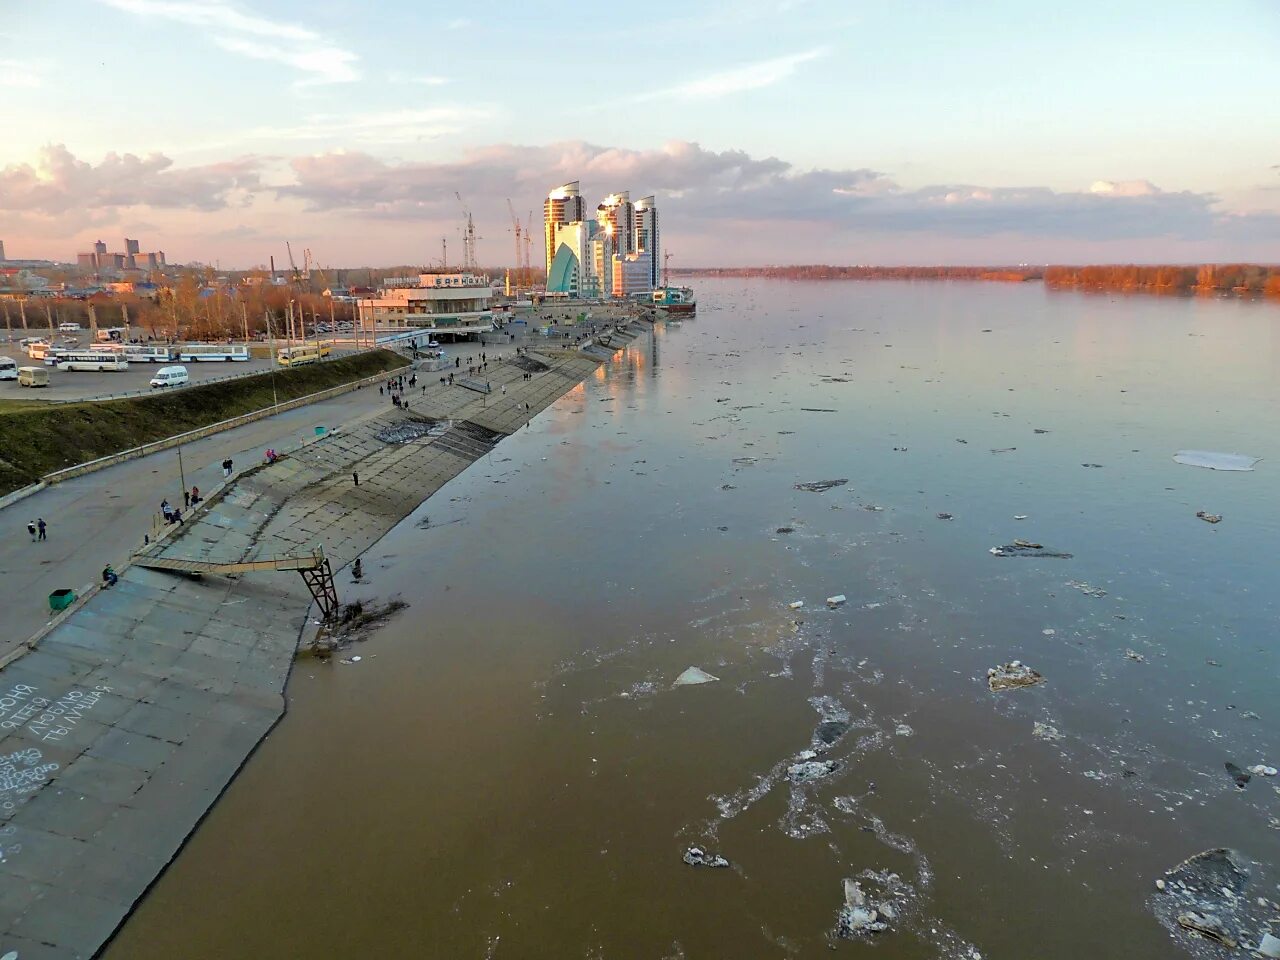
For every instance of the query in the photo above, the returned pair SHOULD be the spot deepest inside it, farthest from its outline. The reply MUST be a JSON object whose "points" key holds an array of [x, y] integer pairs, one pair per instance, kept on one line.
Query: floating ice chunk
{"points": [[698, 857], [1215, 461], [836, 601], [693, 675], [1270, 946], [796, 604]]}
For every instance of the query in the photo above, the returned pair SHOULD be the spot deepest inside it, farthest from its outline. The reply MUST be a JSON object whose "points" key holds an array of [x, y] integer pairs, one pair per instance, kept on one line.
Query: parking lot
{"points": [[82, 384]]}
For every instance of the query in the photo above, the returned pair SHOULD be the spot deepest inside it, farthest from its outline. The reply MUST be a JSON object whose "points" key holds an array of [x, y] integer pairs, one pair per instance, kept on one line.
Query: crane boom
{"points": [[515, 225]]}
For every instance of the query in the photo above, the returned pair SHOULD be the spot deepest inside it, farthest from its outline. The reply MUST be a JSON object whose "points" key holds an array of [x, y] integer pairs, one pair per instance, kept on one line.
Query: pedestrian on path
{"points": [[195, 496], [355, 477], [165, 510], [31, 529], [40, 526], [226, 468], [186, 499], [504, 389]]}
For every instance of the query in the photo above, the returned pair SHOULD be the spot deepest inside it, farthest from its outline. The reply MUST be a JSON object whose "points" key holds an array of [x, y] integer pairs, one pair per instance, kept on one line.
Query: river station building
{"points": [[458, 304]]}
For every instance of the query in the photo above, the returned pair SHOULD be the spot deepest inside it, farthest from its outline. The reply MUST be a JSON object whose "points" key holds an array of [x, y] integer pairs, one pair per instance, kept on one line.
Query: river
{"points": [[508, 770]]}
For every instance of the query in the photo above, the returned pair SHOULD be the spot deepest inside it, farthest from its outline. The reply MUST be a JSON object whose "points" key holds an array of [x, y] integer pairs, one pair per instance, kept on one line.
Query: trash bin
{"points": [[320, 431], [61, 599]]}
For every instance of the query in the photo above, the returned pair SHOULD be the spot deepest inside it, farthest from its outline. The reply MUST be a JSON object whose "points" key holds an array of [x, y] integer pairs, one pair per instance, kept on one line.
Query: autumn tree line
{"points": [[1236, 279]]}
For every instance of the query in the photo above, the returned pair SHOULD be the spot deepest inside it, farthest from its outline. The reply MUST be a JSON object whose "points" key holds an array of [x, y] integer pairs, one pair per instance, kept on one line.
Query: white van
{"points": [[33, 377], [8, 368], [68, 328], [170, 377]]}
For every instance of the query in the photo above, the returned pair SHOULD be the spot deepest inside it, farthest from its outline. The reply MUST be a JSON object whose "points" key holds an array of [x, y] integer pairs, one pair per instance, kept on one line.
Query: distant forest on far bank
{"points": [[1232, 279]]}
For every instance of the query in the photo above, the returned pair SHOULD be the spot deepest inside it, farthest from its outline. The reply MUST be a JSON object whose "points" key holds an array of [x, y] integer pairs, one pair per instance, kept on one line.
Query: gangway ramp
{"points": [[316, 572]]}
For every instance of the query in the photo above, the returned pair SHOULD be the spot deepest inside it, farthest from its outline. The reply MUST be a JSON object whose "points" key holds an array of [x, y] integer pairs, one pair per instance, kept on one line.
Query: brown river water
{"points": [[510, 772]]}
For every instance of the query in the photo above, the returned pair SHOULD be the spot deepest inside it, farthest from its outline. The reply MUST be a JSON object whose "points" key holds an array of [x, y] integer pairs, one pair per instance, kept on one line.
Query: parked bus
{"points": [[297, 356], [39, 349], [8, 369], [304, 353], [91, 360], [147, 353], [207, 352]]}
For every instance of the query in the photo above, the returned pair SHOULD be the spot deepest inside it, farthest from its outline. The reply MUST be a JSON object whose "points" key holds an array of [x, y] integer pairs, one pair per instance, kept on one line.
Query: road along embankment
{"points": [[57, 440], [121, 729]]}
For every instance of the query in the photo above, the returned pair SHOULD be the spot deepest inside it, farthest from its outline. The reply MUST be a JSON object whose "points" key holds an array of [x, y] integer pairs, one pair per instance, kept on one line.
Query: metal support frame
{"points": [[319, 581]]}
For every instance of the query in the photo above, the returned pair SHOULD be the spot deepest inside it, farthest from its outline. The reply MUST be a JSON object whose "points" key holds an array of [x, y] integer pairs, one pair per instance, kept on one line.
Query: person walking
{"points": [[31, 529], [165, 510], [355, 477], [40, 525], [226, 468], [504, 389], [186, 499], [195, 496]]}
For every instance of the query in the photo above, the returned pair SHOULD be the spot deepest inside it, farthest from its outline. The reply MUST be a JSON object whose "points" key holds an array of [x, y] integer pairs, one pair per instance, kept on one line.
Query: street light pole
{"points": [[182, 474]]}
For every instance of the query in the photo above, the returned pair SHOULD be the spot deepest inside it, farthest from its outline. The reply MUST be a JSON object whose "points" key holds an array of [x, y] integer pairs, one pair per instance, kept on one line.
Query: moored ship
{"points": [[677, 301]]}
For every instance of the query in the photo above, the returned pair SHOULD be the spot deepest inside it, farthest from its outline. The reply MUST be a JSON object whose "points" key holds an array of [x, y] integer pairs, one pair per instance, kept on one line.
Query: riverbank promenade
{"points": [[128, 719]]}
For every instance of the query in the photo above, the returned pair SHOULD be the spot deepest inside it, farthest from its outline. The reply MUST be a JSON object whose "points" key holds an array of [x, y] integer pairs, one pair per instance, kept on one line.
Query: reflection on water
{"points": [[509, 771]]}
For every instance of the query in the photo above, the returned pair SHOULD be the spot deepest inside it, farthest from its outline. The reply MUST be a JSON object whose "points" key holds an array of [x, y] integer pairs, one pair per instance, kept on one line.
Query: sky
{"points": [[771, 131]]}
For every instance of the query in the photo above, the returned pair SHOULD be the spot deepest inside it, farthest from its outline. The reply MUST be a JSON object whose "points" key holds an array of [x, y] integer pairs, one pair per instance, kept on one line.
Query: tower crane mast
{"points": [[515, 225]]}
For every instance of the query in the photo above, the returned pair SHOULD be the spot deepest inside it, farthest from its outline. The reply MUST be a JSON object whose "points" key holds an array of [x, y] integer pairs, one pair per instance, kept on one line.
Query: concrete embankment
{"points": [[120, 730]]}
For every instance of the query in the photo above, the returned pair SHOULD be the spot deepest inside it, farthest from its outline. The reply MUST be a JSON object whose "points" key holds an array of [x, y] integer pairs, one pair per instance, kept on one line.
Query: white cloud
{"points": [[1124, 188], [457, 23], [752, 76], [22, 73], [250, 35]]}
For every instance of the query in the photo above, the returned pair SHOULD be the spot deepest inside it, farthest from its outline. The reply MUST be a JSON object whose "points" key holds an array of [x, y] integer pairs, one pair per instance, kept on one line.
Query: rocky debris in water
{"points": [[1094, 466], [818, 486], [1206, 894], [697, 857], [945, 516], [1043, 731], [1134, 656], [1209, 517], [836, 601], [904, 730], [1240, 777], [1010, 675], [808, 771], [1027, 548], [727, 486], [1215, 461], [1039, 430], [817, 410], [745, 461], [1087, 589], [692, 676], [1003, 450], [785, 530], [1262, 770]]}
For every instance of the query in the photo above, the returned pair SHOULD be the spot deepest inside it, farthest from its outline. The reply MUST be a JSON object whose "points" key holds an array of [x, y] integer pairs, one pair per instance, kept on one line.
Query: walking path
{"points": [[127, 721]]}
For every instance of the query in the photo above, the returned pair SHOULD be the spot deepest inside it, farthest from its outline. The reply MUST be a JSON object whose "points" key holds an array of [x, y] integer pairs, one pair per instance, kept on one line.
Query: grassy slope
{"points": [[38, 439]]}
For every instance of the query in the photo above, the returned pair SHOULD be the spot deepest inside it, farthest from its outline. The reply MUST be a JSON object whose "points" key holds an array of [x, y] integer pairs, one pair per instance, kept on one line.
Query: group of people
{"points": [[173, 514], [37, 529]]}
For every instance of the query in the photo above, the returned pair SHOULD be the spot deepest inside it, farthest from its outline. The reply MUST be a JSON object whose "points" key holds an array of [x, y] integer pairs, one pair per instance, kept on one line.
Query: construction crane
{"points": [[292, 264], [515, 225], [306, 264], [528, 248], [468, 237]]}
